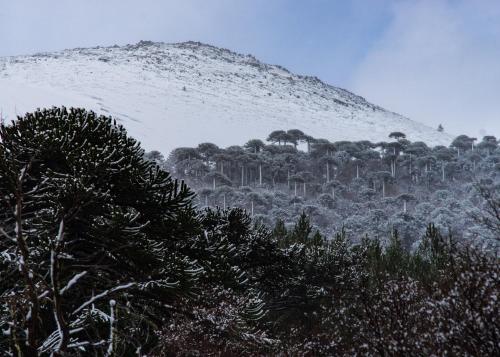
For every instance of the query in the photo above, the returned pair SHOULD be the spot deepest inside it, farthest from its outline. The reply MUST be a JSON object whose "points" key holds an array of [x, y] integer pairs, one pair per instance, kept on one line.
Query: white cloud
{"points": [[438, 62]]}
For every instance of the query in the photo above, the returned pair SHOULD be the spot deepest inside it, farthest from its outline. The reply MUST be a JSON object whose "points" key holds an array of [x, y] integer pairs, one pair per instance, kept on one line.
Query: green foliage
{"points": [[94, 213], [102, 250], [301, 231], [280, 233], [340, 183]]}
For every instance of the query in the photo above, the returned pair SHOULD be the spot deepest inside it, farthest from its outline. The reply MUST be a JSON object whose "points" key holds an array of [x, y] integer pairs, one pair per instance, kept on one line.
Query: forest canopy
{"points": [[365, 188], [103, 252]]}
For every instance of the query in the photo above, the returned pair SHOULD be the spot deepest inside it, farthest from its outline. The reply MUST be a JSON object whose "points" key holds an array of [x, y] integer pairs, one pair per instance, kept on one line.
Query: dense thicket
{"points": [[102, 253], [363, 187]]}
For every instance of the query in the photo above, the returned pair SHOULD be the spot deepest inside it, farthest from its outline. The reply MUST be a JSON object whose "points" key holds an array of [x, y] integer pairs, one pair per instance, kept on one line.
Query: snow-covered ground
{"points": [[171, 95]]}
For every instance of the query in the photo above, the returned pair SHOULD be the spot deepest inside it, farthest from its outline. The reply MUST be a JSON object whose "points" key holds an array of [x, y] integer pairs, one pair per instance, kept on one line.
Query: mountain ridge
{"points": [[170, 95]]}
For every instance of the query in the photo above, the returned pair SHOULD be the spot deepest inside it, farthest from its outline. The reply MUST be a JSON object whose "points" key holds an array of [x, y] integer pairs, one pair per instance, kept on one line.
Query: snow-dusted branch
{"points": [[6, 235], [72, 282], [62, 326], [103, 294], [111, 347]]}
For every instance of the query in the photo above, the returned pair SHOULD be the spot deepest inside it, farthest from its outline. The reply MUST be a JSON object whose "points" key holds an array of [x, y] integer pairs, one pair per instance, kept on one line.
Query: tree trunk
{"points": [[404, 206], [327, 172], [214, 183], [383, 189], [357, 171], [295, 191], [243, 176], [260, 175]]}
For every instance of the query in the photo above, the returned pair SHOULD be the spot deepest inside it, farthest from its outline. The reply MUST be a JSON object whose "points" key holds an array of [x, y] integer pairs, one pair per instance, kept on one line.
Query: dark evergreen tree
{"points": [[254, 145], [277, 136], [302, 230], [89, 224], [397, 135]]}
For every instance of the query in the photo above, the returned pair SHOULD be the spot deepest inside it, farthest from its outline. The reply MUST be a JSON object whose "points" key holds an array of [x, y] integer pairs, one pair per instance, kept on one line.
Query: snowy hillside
{"points": [[171, 95]]}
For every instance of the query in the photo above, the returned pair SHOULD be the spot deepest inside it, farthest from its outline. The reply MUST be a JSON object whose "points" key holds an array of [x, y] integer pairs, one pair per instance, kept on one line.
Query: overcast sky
{"points": [[434, 61]]}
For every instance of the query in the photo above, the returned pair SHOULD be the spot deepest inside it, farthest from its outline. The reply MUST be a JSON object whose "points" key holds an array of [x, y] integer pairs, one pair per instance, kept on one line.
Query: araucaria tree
{"points": [[103, 254], [88, 230]]}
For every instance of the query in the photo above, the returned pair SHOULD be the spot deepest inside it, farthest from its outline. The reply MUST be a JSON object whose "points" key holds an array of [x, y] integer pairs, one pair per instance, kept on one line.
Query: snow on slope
{"points": [[171, 95]]}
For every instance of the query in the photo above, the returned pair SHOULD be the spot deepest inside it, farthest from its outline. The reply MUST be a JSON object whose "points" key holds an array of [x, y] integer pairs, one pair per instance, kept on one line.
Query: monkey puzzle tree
{"points": [[308, 140], [254, 145], [155, 156], [220, 159], [207, 151], [444, 156], [307, 177], [277, 136], [295, 136], [333, 187], [384, 178], [181, 154], [328, 162], [204, 194], [296, 179], [412, 152], [397, 135], [322, 147], [406, 198], [216, 178], [87, 222], [488, 144], [462, 143], [392, 155]]}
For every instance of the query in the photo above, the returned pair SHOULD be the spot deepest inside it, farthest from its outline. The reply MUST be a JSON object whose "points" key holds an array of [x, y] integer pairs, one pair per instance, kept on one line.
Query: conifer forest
{"points": [[289, 245]]}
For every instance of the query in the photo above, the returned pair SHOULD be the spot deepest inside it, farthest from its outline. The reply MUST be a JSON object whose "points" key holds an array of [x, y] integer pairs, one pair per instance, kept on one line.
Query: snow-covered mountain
{"points": [[171, 95]]}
